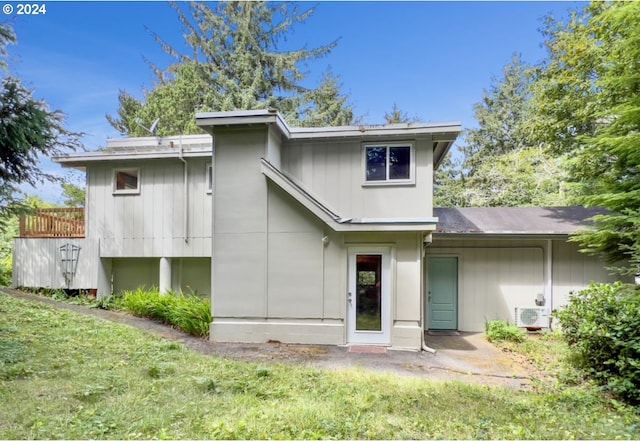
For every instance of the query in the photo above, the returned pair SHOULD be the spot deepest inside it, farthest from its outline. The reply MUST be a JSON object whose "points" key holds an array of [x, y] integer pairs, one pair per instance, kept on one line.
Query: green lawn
{"points": [[65, 375]]}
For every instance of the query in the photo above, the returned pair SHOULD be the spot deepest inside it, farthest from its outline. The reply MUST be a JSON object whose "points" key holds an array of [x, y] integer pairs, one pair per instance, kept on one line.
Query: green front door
{"points": [[442, 298]]}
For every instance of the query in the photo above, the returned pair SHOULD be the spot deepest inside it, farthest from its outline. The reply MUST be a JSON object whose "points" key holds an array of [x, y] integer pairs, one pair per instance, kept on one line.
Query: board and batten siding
{"points": [[151, 223], [37, 263], [492, 282], [496, 276], [271, 279], [574, 271], [334, 172]]}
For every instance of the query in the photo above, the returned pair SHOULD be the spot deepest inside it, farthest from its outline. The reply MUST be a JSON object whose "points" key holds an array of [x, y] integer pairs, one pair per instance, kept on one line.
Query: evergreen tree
{"points": [[608, 160], [398, 116], [502, 164], [28, 130], [235, 62], [501, 117], [326, 105]]}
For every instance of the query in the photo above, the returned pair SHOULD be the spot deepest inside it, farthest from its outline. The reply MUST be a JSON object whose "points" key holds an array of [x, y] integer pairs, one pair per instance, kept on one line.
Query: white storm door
{"points": [[369, 296]]}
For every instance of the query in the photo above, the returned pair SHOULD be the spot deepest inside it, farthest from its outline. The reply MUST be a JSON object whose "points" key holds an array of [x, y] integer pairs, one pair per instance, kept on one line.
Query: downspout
{"points": [[426, 242], [185, 195], [549, 273]]}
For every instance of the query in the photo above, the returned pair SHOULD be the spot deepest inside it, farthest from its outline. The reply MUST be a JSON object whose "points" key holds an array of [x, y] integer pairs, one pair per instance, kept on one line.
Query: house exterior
{"points": [[308, 235]]}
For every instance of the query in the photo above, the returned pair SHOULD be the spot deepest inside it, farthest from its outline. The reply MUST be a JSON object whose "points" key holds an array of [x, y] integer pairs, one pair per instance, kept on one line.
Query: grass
{"points": [[187, 312], [66, 375]]}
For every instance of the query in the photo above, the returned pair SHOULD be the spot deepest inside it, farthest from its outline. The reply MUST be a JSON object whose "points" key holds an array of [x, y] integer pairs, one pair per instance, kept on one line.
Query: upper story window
{"points": [[209, 178], [126, 181], [392, 163]]}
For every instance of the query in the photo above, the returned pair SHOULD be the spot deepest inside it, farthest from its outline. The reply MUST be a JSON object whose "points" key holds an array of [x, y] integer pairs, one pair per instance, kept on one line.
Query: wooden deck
{"points": [[53, 222]]}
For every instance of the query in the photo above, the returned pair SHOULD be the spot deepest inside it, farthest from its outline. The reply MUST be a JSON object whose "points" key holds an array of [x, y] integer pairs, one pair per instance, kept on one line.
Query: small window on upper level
{"points": [[209, 178], [389, 164], [126, 181]]}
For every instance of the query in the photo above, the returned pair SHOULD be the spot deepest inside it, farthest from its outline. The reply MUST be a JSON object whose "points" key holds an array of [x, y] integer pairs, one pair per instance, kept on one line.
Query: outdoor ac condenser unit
{"points": [[532, 317]]}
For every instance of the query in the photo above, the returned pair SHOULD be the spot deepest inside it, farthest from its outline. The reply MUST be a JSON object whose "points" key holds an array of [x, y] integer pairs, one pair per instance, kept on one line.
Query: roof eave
{"points": [[502, 235]]}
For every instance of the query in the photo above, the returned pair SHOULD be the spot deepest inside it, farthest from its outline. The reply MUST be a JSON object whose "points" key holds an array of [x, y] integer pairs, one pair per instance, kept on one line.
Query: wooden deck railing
{"points": [[53, 222]]}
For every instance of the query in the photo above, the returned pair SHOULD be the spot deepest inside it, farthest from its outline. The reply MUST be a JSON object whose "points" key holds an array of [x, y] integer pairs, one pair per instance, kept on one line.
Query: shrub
{"points": [[499, 330], [602, 326], [186, 312]]}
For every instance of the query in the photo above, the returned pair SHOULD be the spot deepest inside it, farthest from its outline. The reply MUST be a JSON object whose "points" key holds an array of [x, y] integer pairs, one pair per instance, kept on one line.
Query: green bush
{"points": [[186, 312], [499, 330], [602, 326]]}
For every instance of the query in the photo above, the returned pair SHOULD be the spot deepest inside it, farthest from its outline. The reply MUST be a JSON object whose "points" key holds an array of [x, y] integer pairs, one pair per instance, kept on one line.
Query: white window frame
{"points": [[387, 181], [126, 191], [209, 178]]}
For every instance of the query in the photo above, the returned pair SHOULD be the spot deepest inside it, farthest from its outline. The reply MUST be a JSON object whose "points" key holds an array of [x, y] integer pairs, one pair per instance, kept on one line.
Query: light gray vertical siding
{"points": [[240, 225], [497, 275], [334, 171], [492, 282], [37, 263], [574, 271], [295, 259], [152, 223]]}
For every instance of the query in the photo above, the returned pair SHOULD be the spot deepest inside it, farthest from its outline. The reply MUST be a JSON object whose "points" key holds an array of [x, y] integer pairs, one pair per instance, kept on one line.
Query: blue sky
{"points": [[433, 59]]}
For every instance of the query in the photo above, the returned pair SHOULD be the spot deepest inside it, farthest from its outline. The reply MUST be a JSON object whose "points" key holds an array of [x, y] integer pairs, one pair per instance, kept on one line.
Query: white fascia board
{"points": [[501, 235], [242, 117], [334, 220], [155, 143], [92, 157], [395, 220], [442, 131]]}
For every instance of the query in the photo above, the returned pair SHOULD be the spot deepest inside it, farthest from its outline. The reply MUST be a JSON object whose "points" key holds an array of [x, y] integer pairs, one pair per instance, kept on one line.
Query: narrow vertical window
{"points": [[376, 163], [209, 178], [368, 292], [399, 162]]}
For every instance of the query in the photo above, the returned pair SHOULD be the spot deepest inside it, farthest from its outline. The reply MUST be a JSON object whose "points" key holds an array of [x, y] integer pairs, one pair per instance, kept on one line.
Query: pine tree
{"points": [[608, 160], [235, 62]]}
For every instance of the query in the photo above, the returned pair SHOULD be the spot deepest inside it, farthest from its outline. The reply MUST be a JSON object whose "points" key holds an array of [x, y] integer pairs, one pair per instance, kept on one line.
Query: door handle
{"points": [[429, 297], [349, 298]]}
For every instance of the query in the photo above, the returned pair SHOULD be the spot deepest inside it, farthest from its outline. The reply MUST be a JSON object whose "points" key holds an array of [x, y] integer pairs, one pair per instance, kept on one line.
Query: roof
{"points": [[514, 220], [142, 148], [442, 134]]}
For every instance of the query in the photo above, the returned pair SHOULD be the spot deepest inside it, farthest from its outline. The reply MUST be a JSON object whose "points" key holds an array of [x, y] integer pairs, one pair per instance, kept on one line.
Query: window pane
{"points": [[376, 163], [399, 162], [368, 292], [127, 179]]}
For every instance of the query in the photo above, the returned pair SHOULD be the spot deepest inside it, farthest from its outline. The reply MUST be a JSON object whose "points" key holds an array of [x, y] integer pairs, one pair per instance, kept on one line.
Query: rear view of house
{"points": [[146, 221], [309, 235]]}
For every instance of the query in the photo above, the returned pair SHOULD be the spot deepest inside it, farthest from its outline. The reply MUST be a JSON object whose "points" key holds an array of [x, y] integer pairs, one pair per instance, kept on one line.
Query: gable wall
{"points": [[334, 172], [152, 223]]}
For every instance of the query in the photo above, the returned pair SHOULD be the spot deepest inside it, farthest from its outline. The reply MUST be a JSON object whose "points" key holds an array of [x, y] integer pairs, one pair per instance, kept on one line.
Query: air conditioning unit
{"points": [[532, 317]]}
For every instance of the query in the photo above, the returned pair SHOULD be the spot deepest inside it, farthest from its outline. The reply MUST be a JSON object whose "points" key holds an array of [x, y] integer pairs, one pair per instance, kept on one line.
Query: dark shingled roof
{"points": [[514, 220]]}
